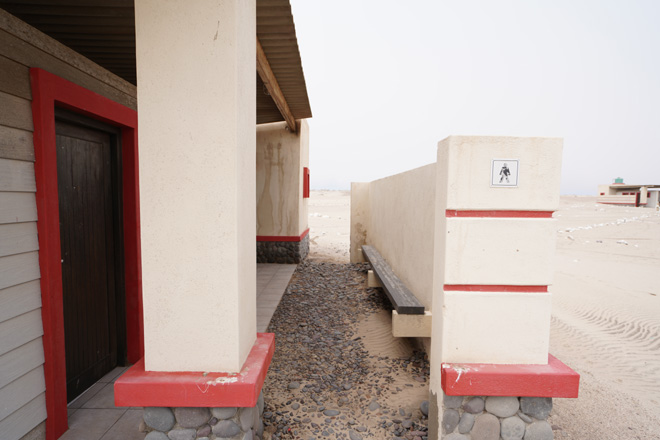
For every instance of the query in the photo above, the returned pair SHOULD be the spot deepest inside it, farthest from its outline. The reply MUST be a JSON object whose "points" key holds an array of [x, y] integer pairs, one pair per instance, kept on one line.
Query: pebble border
{"points": [[164, 423], [283, 252], [495, 418]]}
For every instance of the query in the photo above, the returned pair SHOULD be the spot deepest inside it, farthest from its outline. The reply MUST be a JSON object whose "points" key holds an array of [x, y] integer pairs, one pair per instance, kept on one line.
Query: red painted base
{"points": [[552, 380], [138, 387], [293, 238], [498, 213]]}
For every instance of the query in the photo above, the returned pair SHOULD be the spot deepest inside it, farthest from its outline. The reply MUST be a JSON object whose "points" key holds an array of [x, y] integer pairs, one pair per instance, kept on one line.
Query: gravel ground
{"points": [[335, 373]]}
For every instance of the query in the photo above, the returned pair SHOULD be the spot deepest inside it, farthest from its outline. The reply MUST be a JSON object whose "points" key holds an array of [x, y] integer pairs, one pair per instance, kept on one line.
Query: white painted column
{"points": [[196, 67], [491, 234]]}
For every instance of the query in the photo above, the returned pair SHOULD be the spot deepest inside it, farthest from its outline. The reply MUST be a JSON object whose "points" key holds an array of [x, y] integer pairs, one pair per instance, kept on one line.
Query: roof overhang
{"points": [[104, 32], [626, 186]]}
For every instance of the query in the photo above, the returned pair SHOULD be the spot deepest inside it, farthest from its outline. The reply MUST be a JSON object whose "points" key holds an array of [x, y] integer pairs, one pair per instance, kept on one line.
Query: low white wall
{"points": [[396, 215], [360, 219]]}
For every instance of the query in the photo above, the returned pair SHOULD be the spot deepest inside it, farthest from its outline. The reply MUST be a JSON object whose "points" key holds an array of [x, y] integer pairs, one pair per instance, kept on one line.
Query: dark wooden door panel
{"points": [[88, 237]]}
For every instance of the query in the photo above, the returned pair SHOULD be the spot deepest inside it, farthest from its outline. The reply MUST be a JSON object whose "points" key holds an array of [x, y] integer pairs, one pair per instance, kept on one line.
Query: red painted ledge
{"points": [[283, 237], [497, 213], [552, 380], [493, 288], [138, 387]]}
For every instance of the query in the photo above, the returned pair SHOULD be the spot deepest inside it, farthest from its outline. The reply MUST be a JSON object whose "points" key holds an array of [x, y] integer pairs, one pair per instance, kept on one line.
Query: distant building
{"points": [[619, 193]]}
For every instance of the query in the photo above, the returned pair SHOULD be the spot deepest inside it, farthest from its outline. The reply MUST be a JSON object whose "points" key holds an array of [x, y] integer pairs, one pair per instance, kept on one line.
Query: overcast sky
{"points": [[388, 79]]}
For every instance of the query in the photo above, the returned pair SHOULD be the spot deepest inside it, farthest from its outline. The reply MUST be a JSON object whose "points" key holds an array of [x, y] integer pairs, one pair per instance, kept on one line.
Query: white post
{"points": [[196, 68], [494, 251]]}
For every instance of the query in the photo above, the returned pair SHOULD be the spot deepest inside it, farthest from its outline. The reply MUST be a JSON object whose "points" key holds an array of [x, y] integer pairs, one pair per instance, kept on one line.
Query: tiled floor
{"points": [[272, 280], [93, 415]]}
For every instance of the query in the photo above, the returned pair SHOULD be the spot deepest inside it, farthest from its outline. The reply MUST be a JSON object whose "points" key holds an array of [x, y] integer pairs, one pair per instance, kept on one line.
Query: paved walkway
{"points": [[93, 415], [272, 280]]}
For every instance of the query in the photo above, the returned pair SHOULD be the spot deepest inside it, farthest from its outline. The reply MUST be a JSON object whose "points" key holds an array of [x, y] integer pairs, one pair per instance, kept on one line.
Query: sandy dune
{"points": [[606, 310], [606, 319]]}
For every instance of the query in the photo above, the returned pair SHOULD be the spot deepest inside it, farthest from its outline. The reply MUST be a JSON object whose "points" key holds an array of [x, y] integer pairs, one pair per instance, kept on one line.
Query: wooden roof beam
{"points": [[268, 77]]}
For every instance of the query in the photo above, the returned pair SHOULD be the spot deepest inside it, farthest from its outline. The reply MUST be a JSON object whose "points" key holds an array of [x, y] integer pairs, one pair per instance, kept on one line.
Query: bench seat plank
{"points": [[403, 300]]}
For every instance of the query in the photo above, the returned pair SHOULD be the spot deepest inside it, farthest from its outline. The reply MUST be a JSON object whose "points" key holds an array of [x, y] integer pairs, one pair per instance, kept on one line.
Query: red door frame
{"points": [[48, 91]]}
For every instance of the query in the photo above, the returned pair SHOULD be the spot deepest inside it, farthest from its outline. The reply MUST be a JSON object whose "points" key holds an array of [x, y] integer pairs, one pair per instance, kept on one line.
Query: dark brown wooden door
{"points": [[90, 232]]}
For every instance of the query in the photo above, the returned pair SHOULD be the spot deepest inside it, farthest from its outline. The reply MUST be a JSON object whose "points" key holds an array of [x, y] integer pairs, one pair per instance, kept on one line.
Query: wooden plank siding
{"points": [[15, 112], [19, 299], [24, 53], [14, 364], [17, 176], [18, 238], [16, 144], [27, 417], [18, 269], [15, 79], [20, 330], [21, 391], [16, 207], [22, 398]]}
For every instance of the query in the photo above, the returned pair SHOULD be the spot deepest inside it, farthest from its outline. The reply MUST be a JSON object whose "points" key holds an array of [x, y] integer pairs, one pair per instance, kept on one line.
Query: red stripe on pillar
{"points": [[493, 288], [498, 214]]}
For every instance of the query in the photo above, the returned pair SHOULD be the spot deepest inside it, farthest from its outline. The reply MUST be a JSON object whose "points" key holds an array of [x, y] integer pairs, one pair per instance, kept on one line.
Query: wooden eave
{"points": [[104, 32]]}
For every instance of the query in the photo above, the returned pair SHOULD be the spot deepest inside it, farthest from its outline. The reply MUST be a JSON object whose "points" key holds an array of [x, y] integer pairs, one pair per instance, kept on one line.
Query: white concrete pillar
{"points": [[196, 102], [494, 250]]}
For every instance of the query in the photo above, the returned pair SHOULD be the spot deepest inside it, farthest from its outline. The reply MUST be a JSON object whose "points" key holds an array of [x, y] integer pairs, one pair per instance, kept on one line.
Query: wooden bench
{"points": [[402, 299]]}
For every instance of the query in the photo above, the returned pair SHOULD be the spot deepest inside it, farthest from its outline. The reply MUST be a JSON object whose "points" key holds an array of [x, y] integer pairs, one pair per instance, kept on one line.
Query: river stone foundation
{"points": [[234, 423], [495, 418], [283, 252]]}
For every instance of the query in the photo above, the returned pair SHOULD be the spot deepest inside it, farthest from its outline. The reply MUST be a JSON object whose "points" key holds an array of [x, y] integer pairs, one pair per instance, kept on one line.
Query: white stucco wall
{"points": [[495, 327], [281, 156], [486, 327], [196, 67], [509, 251], [360, 219], [303, 216], [469, 172], [400, 220]]}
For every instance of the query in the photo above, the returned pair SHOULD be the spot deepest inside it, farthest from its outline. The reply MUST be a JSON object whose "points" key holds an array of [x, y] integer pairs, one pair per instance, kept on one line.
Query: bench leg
{"points": [[372, 281]]}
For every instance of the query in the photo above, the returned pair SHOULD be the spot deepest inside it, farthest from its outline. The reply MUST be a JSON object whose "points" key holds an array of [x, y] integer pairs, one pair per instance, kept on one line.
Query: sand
{"points": [[605, 317], [329, 226]]}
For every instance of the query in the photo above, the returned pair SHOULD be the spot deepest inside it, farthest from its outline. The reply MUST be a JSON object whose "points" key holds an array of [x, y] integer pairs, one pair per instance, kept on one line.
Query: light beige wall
{"points": [[494, 251], [469, 183], [281, 156], [492, 327], [396, 215], [360, 219], [196, 100], [402, 216], [500, 251], [303, 216]]}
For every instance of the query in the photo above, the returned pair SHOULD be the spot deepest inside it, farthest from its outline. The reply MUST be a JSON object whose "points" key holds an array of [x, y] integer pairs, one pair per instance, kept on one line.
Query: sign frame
{"points": [[513, 176]]}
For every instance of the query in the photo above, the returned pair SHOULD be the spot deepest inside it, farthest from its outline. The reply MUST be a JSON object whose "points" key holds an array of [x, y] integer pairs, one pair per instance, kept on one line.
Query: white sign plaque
{"points": [[504, 173]]}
